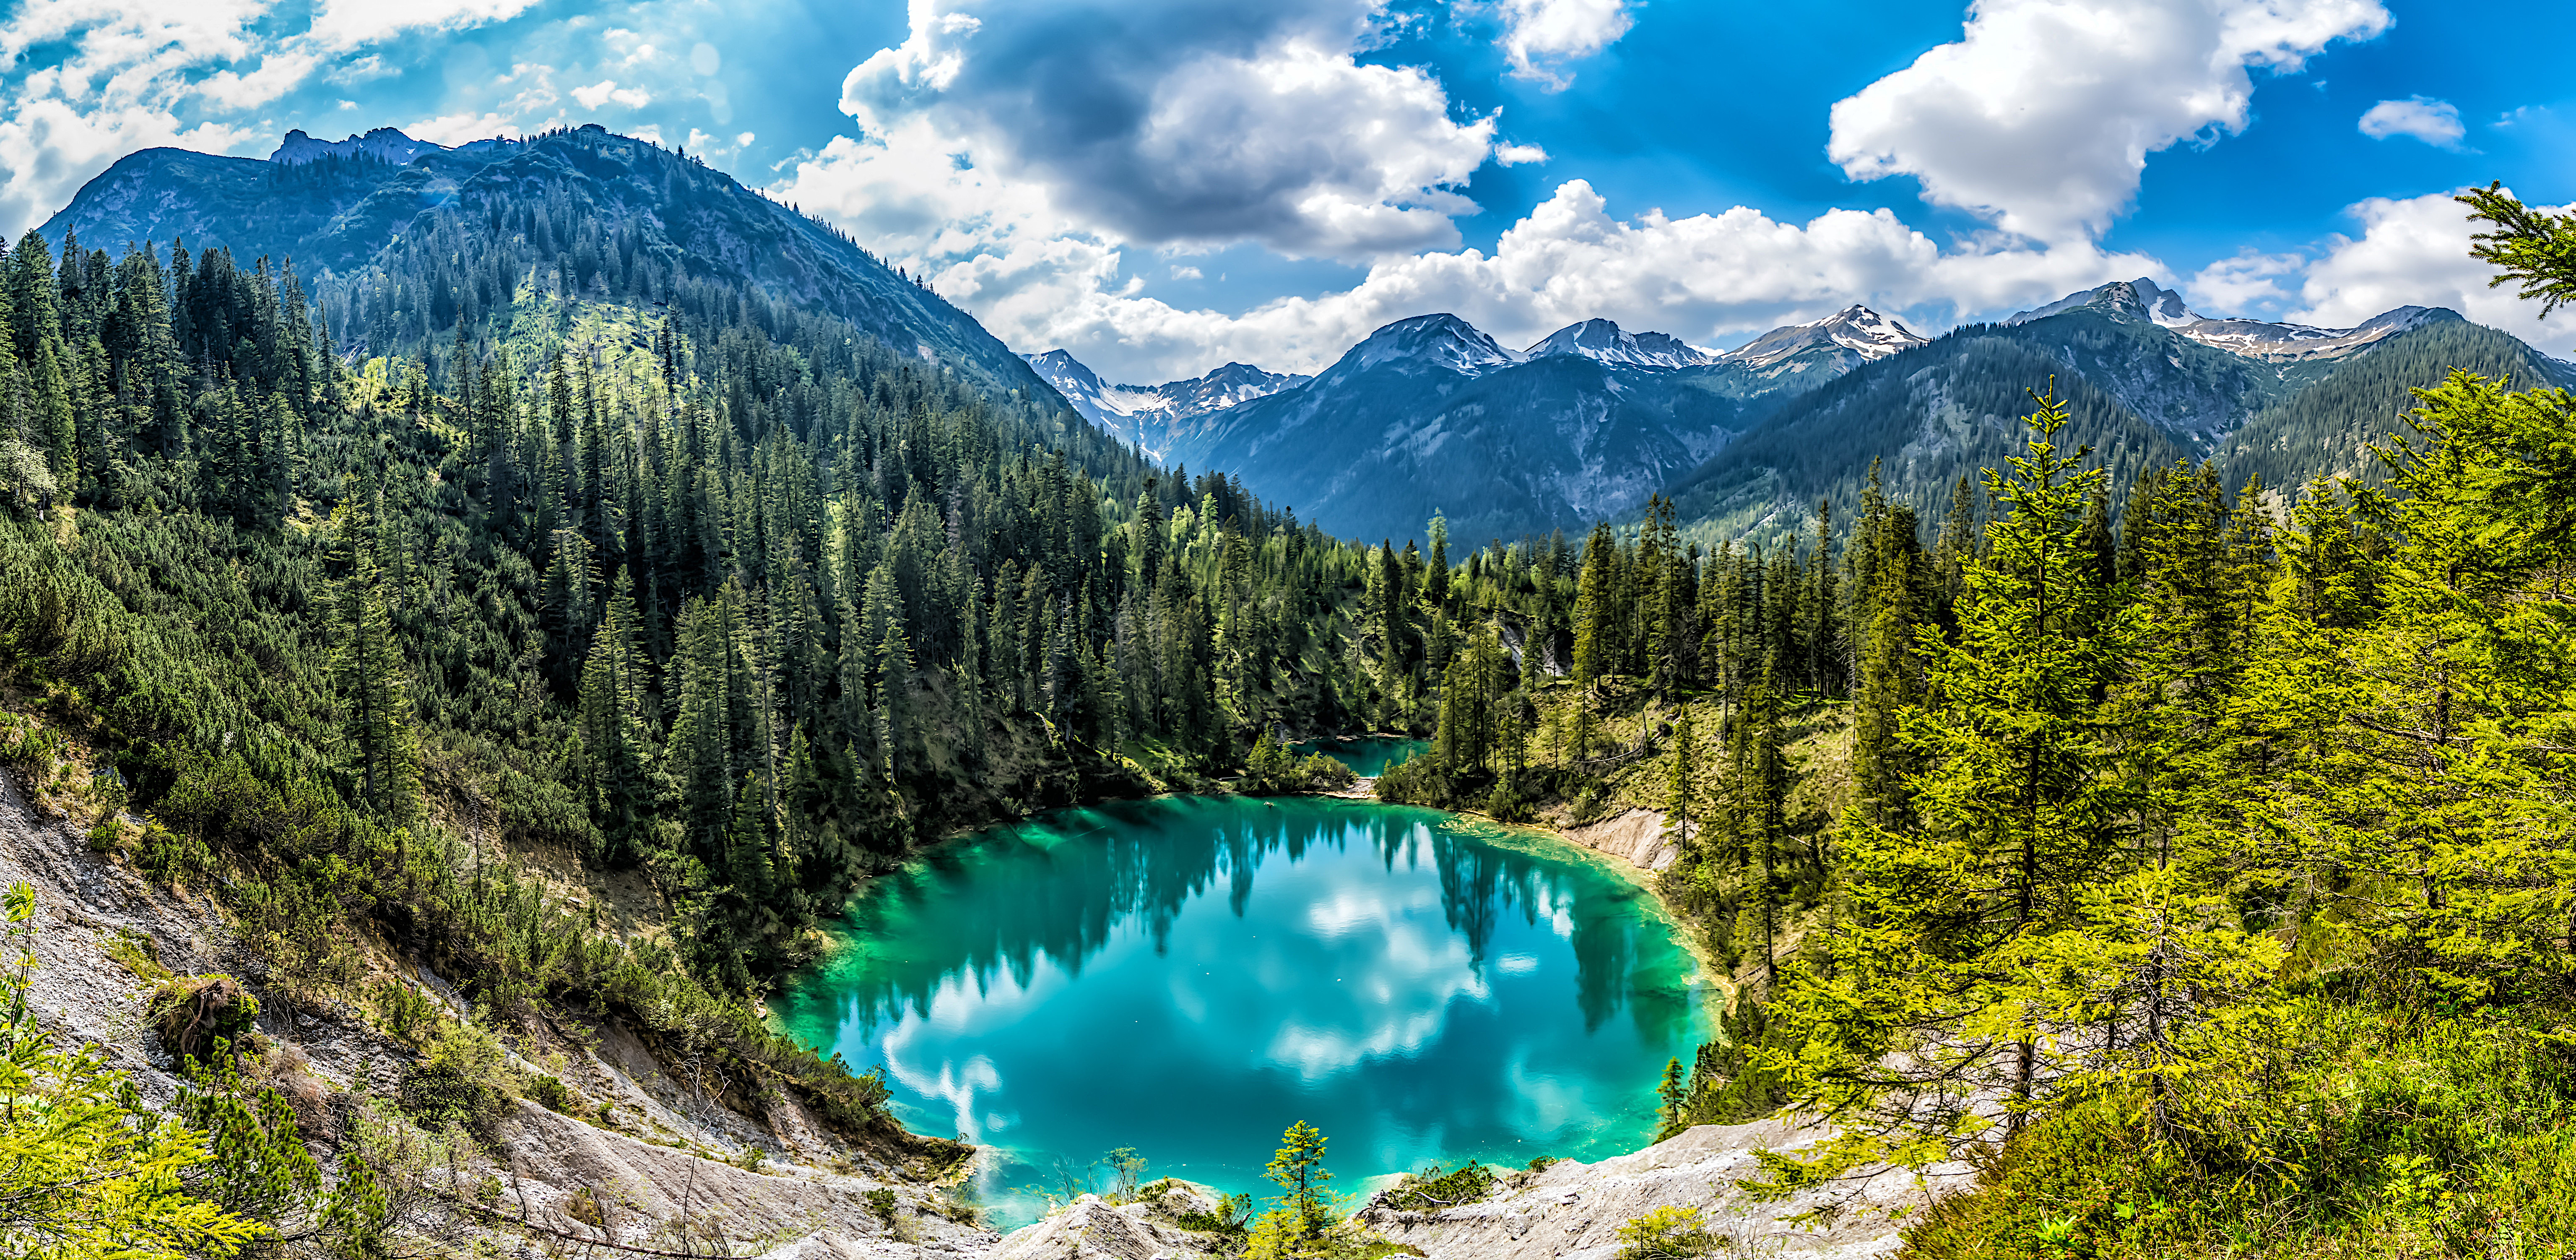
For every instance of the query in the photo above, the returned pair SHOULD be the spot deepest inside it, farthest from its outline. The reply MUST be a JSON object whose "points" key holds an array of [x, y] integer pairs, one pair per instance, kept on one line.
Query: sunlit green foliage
{"points": [[86, 1170]]}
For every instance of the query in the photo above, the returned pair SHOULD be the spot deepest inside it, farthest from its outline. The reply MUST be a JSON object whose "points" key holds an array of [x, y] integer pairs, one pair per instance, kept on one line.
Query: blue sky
{"points": [[1163, 185]]}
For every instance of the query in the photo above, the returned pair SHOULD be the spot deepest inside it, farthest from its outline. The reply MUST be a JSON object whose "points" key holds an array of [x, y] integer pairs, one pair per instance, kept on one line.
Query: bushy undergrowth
{"points": [[1433, 1190], [2383, 1130]]}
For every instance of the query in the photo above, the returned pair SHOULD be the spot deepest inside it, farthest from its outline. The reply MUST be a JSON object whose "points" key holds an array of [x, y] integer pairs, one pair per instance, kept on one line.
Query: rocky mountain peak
{"points": [[385, 144], [1855, 329], [1430, 342], [1605, 341]]}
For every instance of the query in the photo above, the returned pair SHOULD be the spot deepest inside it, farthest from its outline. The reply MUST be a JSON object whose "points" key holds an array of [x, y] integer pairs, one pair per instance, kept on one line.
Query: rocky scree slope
{"points": [[667, 1161]]}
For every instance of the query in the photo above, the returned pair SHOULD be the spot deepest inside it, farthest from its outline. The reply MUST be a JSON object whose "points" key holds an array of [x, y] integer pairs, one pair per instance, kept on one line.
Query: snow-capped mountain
{"points": [[1605, 342], [2246, 338], [1431, 414], [2140, 298], [1147, 414], [2278, 343], [1429, 343], [1852, 333]]}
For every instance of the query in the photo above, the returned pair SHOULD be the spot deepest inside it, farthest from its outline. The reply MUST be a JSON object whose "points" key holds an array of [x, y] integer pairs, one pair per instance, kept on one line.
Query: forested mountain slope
{"points": [[405, 259], [1927, 420], [2328, 429]]}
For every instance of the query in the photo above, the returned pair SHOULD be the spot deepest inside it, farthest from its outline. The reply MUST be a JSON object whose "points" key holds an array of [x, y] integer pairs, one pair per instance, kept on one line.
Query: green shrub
{"points": [[464, 1080], [196, 1014], [1667, 1233], [1433, 1190], [552, 1094], [136, 952], [1231, 1220], [2350, 1131]]}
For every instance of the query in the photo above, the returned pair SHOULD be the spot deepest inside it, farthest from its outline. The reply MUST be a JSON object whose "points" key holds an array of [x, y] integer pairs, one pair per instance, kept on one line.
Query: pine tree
{"points": [[2019, 810], [1756, 814], [1298, 1170], [371, 677], [1681, 780], [1595, 608], [613, 726], [1435, 579]]}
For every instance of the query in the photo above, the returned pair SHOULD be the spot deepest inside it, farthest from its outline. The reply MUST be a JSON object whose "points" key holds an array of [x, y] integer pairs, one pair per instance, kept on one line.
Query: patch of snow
{"points": [[1606, 342], [1855, 328], [2247, 338]]}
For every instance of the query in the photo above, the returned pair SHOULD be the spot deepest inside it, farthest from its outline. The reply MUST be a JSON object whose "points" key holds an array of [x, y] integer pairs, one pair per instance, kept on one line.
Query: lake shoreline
{"points": [[1678, 989]]}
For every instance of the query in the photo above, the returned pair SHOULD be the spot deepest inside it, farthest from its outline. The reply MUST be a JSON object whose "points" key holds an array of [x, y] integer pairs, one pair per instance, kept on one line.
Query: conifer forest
{"points": [[2186, 851]]}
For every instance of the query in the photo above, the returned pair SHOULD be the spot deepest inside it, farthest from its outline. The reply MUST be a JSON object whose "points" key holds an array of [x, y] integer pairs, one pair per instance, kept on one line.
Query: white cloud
{"points": [[631, 47], [134, 74], [606, 90], [2246, 286], [371, 66], [2434, 122], [706, 145], [456, 129], [1162, 122], [1188, 273], [350, 23], [1518, 154], [2042, 116], [279, 73], [1003, 250], [2415, 252], [1539, 35]]}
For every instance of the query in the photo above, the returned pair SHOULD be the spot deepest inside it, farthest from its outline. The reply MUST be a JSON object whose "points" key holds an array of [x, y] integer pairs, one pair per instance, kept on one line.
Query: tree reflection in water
{"points": [[1160, 973]]}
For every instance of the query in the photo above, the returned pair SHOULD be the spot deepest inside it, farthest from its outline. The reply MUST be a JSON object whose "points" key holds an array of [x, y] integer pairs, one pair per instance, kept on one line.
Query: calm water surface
{"points": [[1370, 756], [1188, 976]]}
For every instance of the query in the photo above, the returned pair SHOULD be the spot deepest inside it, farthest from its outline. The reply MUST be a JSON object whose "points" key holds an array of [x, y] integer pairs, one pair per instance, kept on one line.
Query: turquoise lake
{"points": [[1188, 976], [1370, 756]]}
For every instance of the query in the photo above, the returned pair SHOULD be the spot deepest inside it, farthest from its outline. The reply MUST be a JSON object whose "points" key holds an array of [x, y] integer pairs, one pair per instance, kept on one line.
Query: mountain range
{"points": [[1425, 415], [1146, 415], [1430, 414]]}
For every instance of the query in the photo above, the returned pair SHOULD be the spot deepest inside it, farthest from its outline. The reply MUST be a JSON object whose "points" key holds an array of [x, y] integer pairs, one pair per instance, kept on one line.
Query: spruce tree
{"points": [[1596, 609], [2019, 810], [372, 680]]}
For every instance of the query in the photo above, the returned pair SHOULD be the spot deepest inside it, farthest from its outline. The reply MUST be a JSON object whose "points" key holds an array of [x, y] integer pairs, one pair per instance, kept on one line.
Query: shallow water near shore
{"points": [[1188, 976]]}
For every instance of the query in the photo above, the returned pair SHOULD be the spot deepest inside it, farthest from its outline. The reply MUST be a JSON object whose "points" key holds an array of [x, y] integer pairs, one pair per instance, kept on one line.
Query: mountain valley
{"points": [[552, 702]]}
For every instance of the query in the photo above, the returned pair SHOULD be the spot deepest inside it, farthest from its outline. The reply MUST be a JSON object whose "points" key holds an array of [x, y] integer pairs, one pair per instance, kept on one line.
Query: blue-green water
{"points": [[1370, 756], [1188, 976]]}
